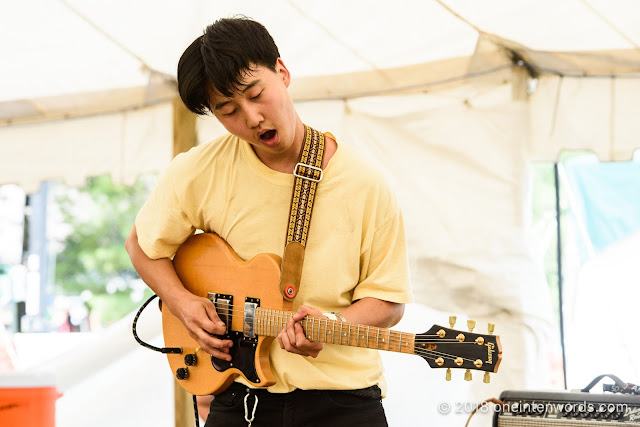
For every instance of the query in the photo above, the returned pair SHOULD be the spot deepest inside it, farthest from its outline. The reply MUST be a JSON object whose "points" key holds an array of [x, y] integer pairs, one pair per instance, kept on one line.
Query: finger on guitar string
{"points": [[201, 321], [293, 339], [306, 348], [214, 346]]}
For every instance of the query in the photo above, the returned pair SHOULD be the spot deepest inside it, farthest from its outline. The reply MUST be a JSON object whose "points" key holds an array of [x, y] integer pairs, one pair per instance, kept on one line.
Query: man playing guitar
{"points": [[239, 187]]}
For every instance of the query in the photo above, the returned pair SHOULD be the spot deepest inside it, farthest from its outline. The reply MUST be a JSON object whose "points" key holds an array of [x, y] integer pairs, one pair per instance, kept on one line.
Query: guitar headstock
{"points": [[450, 348]]}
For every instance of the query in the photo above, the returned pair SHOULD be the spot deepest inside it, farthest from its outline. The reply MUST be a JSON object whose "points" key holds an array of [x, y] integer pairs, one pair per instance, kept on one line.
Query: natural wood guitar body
{"points": [[206, 263]]}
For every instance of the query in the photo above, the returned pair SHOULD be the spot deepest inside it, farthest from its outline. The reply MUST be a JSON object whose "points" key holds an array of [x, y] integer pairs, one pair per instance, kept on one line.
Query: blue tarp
{"points": [[606, 198]]}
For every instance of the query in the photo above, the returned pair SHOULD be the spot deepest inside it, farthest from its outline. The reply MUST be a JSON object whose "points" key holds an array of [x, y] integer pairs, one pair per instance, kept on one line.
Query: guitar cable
{"points": [[482, 405], [164, 350]]}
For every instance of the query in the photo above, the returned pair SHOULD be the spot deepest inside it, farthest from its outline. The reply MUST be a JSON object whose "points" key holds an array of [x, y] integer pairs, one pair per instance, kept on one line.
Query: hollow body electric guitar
{"points": [[247, 299]]}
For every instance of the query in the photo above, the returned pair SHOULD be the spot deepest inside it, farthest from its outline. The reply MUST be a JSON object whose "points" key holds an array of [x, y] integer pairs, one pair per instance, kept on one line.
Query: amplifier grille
{"points": [[539, 409]]}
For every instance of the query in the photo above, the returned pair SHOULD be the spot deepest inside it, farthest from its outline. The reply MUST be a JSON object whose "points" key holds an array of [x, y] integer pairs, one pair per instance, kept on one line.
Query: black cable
{"points": [[195, 410], [165, 350]]}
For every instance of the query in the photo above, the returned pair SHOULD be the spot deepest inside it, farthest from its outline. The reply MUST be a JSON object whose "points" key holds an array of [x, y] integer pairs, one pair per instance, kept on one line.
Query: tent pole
{"points": [[559, 261], [184, 138]]}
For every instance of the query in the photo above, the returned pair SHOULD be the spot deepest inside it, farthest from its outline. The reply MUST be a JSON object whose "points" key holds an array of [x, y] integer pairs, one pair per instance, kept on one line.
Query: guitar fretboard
{"points": [[270, 322]]}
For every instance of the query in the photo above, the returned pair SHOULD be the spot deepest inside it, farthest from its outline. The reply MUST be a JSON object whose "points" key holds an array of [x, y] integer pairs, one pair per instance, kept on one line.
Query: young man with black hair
{"points": [[239, 186]]}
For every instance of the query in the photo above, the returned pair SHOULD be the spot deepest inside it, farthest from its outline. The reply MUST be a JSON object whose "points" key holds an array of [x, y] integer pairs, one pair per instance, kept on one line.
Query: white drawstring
{"points": [[246, 409]]}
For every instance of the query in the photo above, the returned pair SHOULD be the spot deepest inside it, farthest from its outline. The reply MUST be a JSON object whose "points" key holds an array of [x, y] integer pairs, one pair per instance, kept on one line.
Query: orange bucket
{"points": [[27, 400]]}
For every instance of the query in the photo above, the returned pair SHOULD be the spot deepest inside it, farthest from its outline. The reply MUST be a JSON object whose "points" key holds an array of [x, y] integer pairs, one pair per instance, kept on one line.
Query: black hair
{"points": [[221, 57]]}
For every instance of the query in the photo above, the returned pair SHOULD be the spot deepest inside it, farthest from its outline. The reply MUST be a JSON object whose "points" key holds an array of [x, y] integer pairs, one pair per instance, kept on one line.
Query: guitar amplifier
{"points": [[537, 409]]}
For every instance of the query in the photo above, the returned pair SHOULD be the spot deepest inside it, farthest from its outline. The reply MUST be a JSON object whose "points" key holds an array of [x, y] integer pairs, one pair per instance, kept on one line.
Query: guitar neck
{"points": [[270, 322]]}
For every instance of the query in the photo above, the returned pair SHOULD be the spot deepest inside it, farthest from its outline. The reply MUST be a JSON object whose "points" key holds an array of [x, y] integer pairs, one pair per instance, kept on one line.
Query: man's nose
{"points": [[253, 116]]}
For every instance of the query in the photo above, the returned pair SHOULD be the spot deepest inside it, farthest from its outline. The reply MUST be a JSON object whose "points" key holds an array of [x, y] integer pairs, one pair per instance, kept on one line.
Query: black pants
{"points": [[300, 408]]}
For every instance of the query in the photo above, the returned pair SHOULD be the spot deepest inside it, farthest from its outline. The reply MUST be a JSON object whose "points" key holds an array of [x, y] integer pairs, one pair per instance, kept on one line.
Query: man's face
{"points": [[261, 112]]}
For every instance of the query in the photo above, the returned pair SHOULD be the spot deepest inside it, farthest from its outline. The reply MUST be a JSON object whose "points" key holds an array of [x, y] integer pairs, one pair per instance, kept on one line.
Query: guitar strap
{"points": [[308, 173]]}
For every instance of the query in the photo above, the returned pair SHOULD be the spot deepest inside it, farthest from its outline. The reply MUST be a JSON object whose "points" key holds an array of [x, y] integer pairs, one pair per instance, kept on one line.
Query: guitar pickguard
{"points": [[242, 356]]}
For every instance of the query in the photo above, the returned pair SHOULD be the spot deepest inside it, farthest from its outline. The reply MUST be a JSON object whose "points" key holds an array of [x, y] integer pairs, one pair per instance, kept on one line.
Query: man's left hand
{"points": [[293, 339]]}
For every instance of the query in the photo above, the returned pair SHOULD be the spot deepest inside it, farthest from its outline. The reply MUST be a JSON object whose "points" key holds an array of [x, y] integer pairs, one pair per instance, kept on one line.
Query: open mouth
{"points": [[268, 135]]}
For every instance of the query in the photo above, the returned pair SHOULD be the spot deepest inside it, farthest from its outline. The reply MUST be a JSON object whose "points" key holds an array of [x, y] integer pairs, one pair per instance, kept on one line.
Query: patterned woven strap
{"points": [[308, 173]]}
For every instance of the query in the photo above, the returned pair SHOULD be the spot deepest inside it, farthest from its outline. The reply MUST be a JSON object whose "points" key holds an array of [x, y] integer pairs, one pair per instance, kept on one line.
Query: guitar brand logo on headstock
{"points": [[490, 351]]}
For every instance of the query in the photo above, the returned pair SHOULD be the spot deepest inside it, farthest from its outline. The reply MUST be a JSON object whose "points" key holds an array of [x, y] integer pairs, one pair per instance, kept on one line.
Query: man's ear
{"points": [[283, 72]]}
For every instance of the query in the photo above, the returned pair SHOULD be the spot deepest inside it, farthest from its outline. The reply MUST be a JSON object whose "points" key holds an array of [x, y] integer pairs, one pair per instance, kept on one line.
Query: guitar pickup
{"points": [[250, 306], [224, 308]]}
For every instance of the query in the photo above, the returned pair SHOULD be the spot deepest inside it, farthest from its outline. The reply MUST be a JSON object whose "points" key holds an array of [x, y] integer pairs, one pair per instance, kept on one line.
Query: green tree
{"points": [[99, 217]]}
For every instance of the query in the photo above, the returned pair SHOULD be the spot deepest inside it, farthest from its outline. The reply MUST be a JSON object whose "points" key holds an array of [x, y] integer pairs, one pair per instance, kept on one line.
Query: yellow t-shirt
{"points": [[356, 245]]}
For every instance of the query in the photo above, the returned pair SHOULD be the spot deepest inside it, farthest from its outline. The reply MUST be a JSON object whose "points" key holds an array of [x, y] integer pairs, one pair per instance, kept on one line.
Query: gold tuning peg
{"points": [[448, 375], [452, 321], [487, 378], [467, 375], [471, 324], [491, 328]]}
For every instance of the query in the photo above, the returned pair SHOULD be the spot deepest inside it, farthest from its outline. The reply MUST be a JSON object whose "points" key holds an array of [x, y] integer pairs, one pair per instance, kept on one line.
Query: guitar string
{"points": [[281, 315], [284, 316], [427, 353]]}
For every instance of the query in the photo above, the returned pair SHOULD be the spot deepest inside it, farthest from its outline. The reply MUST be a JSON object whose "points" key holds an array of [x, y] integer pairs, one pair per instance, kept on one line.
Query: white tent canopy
{"points": [[453, 98], [70, 58]]}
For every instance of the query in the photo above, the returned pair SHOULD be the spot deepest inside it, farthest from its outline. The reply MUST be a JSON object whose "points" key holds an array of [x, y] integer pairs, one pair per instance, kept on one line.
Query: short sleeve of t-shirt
{"points": [[384, 273], [162, 224]]}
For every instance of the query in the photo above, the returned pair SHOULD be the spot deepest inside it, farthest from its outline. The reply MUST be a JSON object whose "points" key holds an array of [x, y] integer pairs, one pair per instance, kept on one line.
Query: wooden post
{"points": [[184, 128], [184, 138], [519, 82]]}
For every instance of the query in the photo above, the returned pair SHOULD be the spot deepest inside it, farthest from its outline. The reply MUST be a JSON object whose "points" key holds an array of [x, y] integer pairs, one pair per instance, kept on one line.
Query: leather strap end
{"points": [[291, 271]]}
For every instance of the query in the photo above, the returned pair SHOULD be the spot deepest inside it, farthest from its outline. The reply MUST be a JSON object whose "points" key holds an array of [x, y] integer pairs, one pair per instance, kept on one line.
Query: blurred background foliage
{"points": [[97, 219]]}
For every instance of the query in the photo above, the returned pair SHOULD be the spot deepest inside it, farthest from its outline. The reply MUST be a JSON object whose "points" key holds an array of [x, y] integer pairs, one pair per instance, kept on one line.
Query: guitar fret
{"points": [[378, 338], [272, 321], [280, 317], [275, 323], [400, 345], [358, 336], [367, 336], [267, 324], [333, 337]]}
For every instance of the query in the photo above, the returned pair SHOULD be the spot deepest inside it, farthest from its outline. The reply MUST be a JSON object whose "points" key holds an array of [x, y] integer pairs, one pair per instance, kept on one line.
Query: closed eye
{"points": [[257, 96], [229, 113]]}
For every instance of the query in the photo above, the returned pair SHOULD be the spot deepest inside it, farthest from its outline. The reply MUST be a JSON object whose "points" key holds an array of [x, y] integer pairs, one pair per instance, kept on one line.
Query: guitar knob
{"points": [[471, 324], [452, 321], [182, 373], [491, 328], [448, 375], [487, 378], [190, 359], [467, 375]]}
